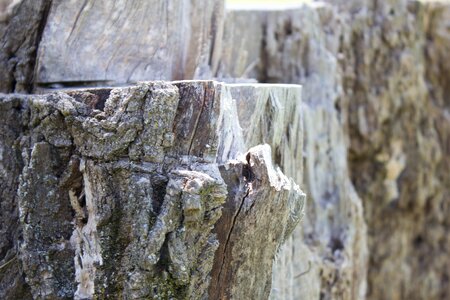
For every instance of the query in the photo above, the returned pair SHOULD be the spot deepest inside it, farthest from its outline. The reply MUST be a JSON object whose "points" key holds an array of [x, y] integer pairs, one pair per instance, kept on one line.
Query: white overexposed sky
{"points": [[266, 1]]}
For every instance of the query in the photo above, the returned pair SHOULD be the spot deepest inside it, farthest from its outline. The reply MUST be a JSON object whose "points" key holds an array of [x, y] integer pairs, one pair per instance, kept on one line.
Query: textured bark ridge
{"points": [[327, 256], [399, 128], [117, 192], [375, 78], [252, 115], [184, 189]]}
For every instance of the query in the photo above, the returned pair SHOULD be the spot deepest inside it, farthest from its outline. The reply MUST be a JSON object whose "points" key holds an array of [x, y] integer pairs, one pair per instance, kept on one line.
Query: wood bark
{"points": [[140, 191], [327, 256], [376, 70], [120, 193]]}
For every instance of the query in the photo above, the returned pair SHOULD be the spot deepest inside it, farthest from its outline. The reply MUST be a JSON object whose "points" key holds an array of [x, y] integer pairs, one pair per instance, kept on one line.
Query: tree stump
{"points": [[147, 191]]}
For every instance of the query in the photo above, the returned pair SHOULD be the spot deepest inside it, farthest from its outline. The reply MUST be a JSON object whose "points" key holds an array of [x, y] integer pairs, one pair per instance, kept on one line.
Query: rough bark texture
{"points": [[133, 179], [399, 146], [118, 192], [327, 256], [12, 282], [375, 74]]}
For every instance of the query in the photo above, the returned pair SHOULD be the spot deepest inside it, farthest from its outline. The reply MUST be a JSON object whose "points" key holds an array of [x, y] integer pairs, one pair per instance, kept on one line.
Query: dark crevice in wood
{"points": [[94, 98], [77, 18], [263, 76], [247, 172], [213, 40], [197, 121], [248, 176], [159, 187], [40, 32], [13, 79], [233, 223], [73, 84]]}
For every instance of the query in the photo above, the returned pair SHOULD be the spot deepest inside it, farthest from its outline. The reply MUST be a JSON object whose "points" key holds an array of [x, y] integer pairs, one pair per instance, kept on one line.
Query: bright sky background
{"points": [[272, 2], [266, 1]]}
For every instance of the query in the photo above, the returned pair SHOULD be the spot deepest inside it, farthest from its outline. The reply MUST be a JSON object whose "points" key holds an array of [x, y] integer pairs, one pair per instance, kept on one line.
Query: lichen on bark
{"points": [[121, 191]]}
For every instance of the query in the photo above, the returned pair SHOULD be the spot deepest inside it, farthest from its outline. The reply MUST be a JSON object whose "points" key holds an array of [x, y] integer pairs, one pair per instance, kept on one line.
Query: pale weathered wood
{"points": [[123, 41], [326, 256], [375, 78], [96, 43], [252, 115]]}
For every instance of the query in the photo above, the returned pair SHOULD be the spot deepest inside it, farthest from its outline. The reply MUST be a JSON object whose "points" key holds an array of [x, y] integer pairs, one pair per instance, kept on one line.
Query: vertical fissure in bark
{"points": [[77, 18], [198, 119], [264, 73], [230, 232], [29, 86], [159, 188], [247, 174], [13, 78]]}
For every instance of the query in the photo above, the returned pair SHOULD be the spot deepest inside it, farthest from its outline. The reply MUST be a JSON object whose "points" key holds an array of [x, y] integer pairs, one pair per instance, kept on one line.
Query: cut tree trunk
{"points": [[327, 256], [129, 192], [373, 132], [375, 77], [56, 43]]}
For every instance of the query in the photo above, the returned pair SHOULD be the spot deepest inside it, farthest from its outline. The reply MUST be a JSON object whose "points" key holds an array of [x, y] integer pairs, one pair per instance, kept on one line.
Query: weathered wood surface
{"points": [[252, 115], [396, 117], [117, 192], [74, 43], [375, 87], [327, 256], [21, 27], [375, 76]]}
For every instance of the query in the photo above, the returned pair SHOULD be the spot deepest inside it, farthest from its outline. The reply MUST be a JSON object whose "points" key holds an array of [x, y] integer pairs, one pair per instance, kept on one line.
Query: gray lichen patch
{"points": [[121, 193]]}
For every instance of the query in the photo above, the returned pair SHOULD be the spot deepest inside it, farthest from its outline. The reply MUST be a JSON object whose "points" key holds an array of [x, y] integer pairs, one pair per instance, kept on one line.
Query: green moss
{"points": [[167, 288]]}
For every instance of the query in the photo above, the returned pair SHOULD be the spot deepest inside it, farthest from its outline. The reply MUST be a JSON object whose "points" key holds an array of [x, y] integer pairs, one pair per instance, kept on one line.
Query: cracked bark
{"points": [[250, 217], [381, 118], [375, 82], [122, 190]]}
